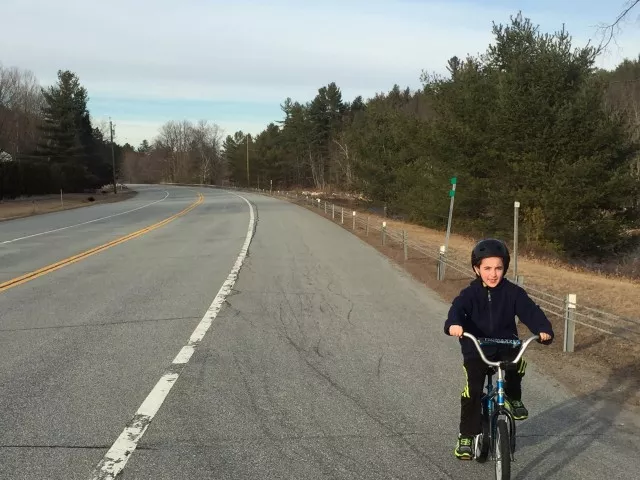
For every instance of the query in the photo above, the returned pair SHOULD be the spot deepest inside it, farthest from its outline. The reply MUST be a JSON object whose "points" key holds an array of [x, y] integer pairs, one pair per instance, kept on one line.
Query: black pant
{"points": [[470, 399]]}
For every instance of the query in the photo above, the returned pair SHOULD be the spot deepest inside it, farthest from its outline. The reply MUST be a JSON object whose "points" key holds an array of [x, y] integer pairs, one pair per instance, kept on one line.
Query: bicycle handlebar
{"points": [[523, 347]]}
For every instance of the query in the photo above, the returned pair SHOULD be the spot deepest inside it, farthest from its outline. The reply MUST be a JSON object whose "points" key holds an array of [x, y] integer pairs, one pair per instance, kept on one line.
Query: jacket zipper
{"points": [[490, 312]]}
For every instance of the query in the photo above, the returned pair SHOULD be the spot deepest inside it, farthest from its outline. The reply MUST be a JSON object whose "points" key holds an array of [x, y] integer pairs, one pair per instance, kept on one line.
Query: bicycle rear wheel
{"points": [[484, 439], [503, 450]]}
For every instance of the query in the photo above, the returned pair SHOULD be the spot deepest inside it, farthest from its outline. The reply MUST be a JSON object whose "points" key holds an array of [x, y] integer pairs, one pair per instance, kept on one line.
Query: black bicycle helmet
{"points": [[490, 247]]}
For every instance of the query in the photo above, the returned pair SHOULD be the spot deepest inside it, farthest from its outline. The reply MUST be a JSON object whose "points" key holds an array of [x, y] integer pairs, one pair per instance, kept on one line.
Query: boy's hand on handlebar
{"points": [[544, 337], [455, 331]]}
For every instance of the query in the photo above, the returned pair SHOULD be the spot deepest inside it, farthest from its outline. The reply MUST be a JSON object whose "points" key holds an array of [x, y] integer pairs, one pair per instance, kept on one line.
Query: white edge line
{"points": [[85, 223], [117, 456]]}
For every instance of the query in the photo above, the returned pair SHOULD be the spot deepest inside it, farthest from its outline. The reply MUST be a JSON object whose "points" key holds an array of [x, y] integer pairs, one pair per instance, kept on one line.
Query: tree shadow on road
{"points": [[574, 425]]}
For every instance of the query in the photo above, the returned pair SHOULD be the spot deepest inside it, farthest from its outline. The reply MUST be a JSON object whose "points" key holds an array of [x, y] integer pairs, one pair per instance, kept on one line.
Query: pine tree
{"points": [[65, 105]]}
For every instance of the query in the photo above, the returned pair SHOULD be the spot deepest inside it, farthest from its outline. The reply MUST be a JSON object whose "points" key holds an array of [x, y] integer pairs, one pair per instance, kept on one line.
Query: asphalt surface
{"points": [[326, 361]]}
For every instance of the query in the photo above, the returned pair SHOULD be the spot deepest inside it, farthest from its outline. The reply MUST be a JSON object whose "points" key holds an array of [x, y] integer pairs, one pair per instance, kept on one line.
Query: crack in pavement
{"points": [[99, 324], [317, 348], [379, 421]]}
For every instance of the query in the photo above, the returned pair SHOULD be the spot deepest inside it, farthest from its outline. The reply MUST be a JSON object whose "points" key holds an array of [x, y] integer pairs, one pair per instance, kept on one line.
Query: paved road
{"points": [[325, 361]]}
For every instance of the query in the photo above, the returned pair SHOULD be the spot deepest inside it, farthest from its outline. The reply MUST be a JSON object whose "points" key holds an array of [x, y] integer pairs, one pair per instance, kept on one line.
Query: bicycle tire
{"points": [[482, 452], [502, 450]]}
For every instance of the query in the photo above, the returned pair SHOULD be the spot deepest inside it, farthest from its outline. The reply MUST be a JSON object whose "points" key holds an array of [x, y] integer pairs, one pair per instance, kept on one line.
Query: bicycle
{"points": [[498, 435]]}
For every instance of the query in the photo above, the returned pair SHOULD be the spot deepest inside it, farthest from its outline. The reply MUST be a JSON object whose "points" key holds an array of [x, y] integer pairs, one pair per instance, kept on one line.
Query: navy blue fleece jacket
{"points": [[490, 312]]}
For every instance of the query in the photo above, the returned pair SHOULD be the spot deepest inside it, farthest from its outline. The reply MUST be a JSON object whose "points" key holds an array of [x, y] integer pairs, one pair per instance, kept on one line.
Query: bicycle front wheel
{"points": [[503, 451]]}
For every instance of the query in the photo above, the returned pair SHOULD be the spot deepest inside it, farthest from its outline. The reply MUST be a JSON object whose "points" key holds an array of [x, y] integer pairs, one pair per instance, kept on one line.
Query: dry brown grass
{"points": [[616, 295], [10, 209]]}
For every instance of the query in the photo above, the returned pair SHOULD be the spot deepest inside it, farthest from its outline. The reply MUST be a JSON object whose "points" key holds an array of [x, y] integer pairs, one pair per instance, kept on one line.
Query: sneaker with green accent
{"points": [[464, 447], [518, 410]]}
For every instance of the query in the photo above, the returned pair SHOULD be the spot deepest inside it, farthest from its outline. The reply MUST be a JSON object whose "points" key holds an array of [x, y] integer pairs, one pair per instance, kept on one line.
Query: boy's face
{"points": [[491, 270]]}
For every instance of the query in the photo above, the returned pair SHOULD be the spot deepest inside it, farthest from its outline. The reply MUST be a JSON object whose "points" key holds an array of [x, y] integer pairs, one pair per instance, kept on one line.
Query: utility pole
{"points": [[113, 158], [247, 138]]}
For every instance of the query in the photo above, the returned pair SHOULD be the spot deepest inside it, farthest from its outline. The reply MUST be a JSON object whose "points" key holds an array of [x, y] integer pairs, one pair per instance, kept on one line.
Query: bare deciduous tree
{"points": [[344, 160], [206, 144], [21, 103], [138, 167], [609, 30], [102, 125], [191, 152], [175, 138]]}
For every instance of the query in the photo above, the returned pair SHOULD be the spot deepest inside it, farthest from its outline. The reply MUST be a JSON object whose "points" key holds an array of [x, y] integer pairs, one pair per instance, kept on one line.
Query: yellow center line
{"points": [[27, 277]]}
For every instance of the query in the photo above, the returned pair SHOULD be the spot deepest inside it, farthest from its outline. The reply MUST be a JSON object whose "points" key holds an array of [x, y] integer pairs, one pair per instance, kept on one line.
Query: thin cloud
{"points": [[262, 52]]}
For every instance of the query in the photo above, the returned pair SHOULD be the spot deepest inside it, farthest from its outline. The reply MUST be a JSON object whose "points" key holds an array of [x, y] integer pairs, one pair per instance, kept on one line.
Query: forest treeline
{"points": [[531, 119]]}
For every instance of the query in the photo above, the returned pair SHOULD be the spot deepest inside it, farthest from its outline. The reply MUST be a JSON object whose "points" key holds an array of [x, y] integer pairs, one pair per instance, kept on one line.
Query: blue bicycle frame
{"points": [[493, 401]]}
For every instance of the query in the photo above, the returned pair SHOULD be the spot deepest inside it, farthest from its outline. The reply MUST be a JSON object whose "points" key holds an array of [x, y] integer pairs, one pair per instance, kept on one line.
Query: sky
{"points": [[234, 63]]}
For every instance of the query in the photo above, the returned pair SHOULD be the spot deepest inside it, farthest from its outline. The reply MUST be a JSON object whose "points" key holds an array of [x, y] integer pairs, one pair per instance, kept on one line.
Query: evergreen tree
{"points": [[526, 121], [65, 106]]}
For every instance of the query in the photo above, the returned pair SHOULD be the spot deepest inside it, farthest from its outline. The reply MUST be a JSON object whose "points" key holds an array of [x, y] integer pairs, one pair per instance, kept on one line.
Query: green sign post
{"points": [[452, 195]]}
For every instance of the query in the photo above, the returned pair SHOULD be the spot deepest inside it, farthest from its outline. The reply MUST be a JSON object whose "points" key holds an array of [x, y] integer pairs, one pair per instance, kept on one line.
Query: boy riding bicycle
{"points": [[487, 308]]}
